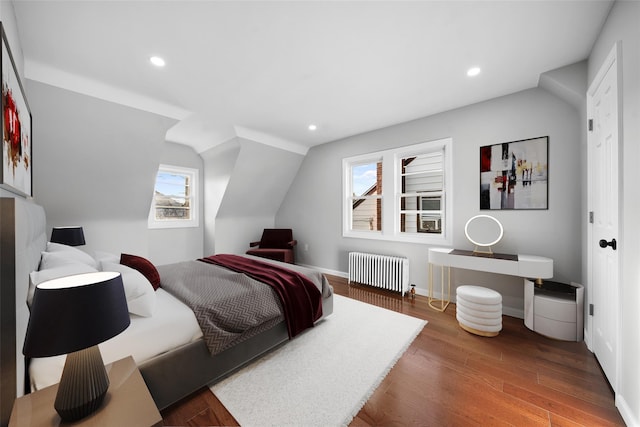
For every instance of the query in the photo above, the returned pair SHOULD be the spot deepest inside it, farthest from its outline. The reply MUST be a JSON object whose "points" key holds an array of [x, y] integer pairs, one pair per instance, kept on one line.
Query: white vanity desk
{"points": [[550, 308], [526, 266]]}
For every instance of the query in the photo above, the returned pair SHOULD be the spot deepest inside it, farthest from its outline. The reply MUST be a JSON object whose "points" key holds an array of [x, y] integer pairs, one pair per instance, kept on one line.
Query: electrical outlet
{"points": [[306, 247]]}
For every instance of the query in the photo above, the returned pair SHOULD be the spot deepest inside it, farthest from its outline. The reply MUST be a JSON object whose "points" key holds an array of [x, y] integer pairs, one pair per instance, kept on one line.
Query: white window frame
{"points": [[347, 166], [391, 191], [193, 175]]}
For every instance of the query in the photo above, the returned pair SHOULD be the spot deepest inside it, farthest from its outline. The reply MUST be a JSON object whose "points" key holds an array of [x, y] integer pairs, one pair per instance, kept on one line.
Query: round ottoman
{"points": [[479, 310]]}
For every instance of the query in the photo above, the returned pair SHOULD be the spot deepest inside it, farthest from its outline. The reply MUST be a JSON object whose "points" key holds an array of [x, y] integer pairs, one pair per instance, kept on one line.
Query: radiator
{"points": [[382, 271]]}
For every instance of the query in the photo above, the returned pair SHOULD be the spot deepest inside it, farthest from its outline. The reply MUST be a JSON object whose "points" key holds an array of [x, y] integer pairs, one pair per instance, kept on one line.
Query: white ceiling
{"points": [[268, 69]]}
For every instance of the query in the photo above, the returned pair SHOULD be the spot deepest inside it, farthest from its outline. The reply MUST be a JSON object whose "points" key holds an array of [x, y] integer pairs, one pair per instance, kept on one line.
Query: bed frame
{"points": [[170, 376], [176, 374]]}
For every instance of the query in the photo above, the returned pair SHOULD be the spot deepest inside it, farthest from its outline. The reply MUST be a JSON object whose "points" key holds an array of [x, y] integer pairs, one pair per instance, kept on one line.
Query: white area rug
{"points": [[324, 376]]}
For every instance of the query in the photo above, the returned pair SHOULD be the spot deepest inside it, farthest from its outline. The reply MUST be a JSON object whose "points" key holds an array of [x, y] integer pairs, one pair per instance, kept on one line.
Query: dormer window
{"points": [[174, 202]]}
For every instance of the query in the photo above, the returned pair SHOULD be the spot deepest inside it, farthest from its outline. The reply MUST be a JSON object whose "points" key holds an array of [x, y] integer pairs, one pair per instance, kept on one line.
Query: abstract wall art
{"points": [[16, 171], [514, 175]]}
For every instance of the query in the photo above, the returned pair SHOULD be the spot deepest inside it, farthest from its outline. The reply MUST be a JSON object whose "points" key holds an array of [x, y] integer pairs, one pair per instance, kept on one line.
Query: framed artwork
{"points": [[514, 175], [16, 172]]}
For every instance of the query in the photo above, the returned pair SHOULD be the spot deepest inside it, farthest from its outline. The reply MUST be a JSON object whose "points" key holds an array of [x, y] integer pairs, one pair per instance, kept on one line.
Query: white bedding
{"points": [[173, 324]]}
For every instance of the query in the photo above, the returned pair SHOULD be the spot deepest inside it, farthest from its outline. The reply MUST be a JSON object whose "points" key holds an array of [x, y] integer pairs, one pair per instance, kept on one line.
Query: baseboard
{"points": [[327, 271], [507, 311], [626, 412], [587, 340], [513, 312]]}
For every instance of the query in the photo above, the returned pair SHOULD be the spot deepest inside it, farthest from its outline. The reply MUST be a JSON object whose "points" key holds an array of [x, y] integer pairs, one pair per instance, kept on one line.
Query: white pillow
{"points": [[57, 259], [141, 297], [72, 253], [37, 277], [102, 256]]}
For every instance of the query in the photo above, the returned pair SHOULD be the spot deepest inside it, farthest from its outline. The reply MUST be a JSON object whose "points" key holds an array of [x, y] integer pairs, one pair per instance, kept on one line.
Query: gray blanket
{"points": [[230, 307]]}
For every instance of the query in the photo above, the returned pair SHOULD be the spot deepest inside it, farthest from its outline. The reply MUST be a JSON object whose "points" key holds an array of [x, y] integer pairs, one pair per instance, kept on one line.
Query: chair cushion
{"points": [[478, 294], [283, 255], [276, 238]]}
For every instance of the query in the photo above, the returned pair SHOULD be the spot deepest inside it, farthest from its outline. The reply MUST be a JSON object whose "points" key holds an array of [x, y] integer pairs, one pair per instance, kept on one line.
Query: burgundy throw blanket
{"points": [[301, 299]]}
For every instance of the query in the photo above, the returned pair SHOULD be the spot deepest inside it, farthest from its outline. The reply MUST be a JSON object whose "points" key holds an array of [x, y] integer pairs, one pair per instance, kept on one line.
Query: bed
{"points": [[165, 337]]}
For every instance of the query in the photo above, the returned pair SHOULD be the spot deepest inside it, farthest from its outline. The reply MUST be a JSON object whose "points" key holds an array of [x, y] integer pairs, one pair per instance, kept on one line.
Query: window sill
{"points": [[172, 224], [425, 239]]}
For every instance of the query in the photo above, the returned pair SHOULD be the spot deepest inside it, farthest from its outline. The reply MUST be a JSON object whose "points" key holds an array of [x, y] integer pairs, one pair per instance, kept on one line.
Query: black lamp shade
{"points": [[71, 236], [75, 312]]}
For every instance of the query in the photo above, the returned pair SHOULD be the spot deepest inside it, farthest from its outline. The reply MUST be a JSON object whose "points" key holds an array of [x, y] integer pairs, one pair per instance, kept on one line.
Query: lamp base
{"points": [[83, 385]]}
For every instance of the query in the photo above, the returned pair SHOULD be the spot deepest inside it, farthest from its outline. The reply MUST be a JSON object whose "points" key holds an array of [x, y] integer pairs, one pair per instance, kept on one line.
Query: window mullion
{"points": [[388, 190]]}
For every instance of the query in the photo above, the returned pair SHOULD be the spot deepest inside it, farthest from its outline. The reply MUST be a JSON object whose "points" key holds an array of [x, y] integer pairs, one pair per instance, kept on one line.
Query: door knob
{"points": [[614, 245]]}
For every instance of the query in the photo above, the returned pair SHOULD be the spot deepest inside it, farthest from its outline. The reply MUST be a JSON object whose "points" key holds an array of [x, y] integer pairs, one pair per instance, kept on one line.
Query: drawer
{"points": [[555, 308], [555, 329]]}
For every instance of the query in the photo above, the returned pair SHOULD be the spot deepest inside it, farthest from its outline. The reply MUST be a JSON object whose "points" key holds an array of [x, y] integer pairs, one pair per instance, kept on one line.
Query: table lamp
{"points": [[73, 315], [71, 236]]}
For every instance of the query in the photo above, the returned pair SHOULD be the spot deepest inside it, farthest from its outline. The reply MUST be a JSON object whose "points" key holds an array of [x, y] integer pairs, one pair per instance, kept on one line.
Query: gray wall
{"points": [[8, 19], [570, 83], [314, 202], [95, 164], [179, 244], [246, 182], [219, 165], [622, 25]]}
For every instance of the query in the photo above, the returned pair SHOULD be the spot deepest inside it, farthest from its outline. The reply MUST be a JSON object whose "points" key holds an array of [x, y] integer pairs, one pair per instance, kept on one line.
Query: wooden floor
{"points": [[451, 377]]}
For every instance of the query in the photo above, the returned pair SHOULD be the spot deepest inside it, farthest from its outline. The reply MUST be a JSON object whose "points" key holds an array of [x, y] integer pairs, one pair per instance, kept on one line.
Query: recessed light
{"points": [[313, 127], [474, 71], [157, 61]]}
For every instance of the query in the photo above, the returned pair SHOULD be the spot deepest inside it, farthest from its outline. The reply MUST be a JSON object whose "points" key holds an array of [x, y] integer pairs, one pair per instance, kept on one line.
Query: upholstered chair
{"points": [[276, 243]]}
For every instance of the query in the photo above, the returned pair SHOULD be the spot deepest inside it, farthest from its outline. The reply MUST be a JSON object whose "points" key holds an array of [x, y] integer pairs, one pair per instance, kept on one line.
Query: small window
{"points": [[174, 202]]}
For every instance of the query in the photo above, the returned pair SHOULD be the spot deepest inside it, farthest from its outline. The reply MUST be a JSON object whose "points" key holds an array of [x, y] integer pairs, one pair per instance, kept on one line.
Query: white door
{"points": [[604, 244]]}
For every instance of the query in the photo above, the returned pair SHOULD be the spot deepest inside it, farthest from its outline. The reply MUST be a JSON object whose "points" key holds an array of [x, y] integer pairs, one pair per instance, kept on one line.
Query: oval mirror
{"points": [[483, 231]]}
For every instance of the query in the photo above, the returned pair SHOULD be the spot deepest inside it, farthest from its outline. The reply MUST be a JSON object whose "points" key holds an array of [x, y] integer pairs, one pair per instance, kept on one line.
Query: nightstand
{"points": [[127, 403], [554, 309]]}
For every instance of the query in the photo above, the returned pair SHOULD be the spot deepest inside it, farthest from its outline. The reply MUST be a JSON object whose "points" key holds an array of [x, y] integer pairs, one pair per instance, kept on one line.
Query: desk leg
{"points": [[442, 303]]}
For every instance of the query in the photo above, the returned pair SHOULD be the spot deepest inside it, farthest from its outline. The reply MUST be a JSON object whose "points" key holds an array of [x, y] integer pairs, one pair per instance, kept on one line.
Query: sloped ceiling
{"points": [[261, 178], [274, 67]]}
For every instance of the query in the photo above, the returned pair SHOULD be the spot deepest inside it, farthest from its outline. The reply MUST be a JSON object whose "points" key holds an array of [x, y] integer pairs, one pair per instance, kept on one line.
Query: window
{"points": [[174, 202], [415, 203], [366, 196], [422, 188]]}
